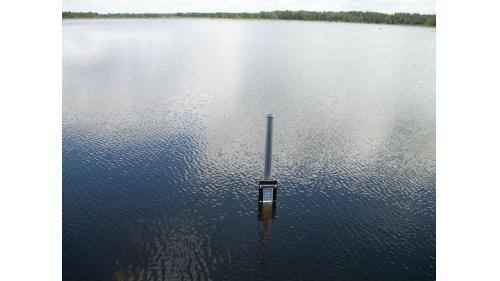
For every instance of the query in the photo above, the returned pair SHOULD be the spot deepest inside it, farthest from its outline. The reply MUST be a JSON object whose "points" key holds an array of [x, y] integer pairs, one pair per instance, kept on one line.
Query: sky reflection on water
{"points": [[163, 143]]}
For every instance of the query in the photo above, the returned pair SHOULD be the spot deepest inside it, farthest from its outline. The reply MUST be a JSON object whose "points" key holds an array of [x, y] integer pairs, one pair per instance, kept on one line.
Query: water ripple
{"points": [[163, 131]]}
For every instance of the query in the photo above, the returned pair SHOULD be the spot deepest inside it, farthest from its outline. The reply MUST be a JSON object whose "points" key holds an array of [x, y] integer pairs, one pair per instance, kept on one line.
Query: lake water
{"points": [[163, 145]]}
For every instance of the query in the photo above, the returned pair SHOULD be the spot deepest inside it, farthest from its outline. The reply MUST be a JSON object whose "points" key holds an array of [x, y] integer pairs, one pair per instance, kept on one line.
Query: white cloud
{"points": [[169, 6]]}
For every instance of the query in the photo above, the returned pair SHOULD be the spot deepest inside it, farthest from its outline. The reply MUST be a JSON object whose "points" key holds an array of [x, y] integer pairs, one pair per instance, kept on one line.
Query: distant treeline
{"points": [[361, 17]]}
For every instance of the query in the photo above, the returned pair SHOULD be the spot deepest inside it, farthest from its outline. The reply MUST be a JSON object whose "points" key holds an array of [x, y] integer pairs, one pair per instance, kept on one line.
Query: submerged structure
{"points": [[268, 186]]}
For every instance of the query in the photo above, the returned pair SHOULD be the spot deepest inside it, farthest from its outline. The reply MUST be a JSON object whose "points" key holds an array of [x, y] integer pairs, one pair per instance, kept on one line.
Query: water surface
{"points": [[163, 143]]}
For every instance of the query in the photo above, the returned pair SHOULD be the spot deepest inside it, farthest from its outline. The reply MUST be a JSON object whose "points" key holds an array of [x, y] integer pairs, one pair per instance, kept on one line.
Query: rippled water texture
{"points": [[163, 143]]}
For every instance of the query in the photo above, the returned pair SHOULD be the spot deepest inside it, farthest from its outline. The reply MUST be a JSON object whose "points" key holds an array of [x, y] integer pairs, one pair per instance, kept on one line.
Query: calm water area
{"points": [[163, 145]]}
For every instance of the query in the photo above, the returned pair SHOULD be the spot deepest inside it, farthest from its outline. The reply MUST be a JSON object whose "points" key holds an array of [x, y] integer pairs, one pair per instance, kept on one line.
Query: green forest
{"points": [[352, 16]]}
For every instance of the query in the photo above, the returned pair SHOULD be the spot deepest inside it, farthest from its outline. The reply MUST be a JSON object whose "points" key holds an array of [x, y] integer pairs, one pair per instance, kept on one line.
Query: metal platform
{"points": [[268, 182]]}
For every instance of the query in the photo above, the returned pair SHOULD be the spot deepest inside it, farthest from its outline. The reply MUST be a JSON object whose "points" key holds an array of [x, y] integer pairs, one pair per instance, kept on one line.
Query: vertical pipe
{"points": [[269, 147]]}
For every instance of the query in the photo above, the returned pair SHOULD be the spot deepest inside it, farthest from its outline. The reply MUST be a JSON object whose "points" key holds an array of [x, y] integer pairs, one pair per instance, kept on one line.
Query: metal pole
{"points": [[269, 147]]}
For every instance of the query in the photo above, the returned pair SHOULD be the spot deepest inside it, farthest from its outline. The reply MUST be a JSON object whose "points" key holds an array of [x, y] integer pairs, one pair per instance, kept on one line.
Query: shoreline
{"points": [[247, 19], [403, 19]]}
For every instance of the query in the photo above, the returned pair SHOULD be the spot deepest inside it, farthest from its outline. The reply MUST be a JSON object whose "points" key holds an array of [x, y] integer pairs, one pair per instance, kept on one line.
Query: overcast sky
{"points": [[168, 6]]}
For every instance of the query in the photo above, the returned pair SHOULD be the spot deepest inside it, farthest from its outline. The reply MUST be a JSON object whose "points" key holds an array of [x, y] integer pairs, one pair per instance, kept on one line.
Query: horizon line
{"points": [[242, 12]]}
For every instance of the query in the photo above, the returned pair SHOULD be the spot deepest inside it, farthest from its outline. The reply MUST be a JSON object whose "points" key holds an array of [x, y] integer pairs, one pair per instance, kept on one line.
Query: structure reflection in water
{"points": [[267, 212]]}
